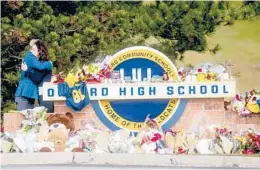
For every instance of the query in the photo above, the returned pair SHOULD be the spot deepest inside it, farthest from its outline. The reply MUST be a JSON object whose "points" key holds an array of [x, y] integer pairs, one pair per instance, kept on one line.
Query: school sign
{"points": [[126, 105]]}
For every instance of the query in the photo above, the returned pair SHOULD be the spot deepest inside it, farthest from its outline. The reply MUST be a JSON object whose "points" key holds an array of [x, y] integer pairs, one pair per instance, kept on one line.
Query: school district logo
{"points": [[139, 63]]}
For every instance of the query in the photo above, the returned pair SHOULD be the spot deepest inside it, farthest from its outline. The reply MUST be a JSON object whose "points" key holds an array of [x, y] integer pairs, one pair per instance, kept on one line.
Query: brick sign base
{"points": [[198, 115]]}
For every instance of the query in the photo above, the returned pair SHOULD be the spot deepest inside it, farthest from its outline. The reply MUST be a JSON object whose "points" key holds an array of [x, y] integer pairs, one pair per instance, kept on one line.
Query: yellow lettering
{"points": [[77, 96]]}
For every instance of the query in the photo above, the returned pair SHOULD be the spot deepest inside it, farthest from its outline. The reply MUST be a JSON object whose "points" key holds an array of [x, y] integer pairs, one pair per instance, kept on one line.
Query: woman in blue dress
{"points": [[27, 90]]}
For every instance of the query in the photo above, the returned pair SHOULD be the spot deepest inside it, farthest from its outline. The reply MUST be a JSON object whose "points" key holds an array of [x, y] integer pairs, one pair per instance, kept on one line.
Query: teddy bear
{"points": [[60, 120], [59, 138], [55, 135]]}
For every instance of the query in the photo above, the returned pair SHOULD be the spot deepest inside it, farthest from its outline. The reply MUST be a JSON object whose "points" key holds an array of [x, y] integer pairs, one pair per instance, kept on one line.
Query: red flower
{"points": [[252, 92], [199, 70], [181, 150], [171, 131], [156, 137], [238, 97], [2, 129]]}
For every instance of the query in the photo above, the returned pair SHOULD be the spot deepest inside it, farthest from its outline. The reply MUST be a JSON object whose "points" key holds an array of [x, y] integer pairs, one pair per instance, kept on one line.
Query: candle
{"points": [[122, 74], [139, 74], [149, 74], [134, 74]]}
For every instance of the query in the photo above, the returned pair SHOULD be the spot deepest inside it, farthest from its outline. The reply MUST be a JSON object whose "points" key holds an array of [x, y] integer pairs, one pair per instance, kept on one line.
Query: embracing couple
{"points": [[36, 69]]}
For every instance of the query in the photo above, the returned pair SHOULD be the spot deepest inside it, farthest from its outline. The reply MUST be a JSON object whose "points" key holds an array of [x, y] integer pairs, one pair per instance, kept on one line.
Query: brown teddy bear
{"points": [[58, 120], [56, 134]]}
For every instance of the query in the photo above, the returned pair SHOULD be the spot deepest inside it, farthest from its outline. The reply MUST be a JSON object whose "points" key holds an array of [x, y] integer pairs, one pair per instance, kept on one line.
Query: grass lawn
{"points": [[239, 43]]}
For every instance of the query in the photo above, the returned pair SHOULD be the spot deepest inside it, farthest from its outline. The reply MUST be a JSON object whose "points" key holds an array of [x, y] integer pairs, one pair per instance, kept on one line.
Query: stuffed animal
{"points": [[52, 138], [252, 105], [58, 120], [152, 137], [59, 137], [55, 135]]}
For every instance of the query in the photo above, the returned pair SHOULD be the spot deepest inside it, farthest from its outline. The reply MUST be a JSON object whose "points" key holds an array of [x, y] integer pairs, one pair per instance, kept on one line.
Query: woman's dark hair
{"points": [[43, 51]]}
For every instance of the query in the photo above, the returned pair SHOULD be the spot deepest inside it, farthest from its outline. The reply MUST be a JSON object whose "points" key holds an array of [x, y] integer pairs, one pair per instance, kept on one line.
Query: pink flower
{"points": [[248, 151]]}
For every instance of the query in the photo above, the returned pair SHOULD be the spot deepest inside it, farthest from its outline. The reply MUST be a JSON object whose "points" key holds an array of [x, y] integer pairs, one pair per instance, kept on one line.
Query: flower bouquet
{"points": [[248, 104], [248, 142], [34, 119], [223, 143], [92, 73]]}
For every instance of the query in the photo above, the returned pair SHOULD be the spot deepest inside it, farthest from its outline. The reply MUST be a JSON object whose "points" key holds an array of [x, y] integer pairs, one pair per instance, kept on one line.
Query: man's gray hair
{"points": [[32, 42]]}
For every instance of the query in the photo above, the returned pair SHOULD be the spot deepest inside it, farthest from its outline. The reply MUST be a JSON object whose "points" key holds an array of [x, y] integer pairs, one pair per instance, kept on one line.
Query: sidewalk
{"points": [[140, 160]]}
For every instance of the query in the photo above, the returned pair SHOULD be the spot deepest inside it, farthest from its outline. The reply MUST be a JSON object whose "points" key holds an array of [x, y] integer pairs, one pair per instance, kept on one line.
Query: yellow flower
{"points": [[243, 140], [93, 68], [180, 131], [71, 79]]}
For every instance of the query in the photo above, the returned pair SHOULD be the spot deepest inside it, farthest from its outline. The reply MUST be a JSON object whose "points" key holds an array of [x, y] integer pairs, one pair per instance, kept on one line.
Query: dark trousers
{"points": [[23, 103]]}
